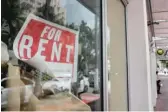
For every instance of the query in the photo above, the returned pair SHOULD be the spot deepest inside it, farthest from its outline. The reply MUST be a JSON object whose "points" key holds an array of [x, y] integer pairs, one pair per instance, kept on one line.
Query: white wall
{"points": [[153, 77], [138, 57]]}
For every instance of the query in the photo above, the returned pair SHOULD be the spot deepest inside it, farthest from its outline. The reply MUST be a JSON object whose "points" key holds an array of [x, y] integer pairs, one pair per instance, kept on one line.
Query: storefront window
{"points": [[51, 55]]}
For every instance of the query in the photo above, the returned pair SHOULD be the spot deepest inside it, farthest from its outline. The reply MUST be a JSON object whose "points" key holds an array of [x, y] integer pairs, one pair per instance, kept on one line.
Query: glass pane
{"points": [[51, 55]]}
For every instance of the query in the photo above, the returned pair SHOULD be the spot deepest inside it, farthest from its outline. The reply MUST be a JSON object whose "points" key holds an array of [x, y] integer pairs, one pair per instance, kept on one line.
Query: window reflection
{"points": [[79, 15]]}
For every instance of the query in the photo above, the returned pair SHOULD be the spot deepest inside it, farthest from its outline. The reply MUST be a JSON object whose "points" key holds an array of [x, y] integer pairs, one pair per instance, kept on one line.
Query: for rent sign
{"points": [[47, 46]]}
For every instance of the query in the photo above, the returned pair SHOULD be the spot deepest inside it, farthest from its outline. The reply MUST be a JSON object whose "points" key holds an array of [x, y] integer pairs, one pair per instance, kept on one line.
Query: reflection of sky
{"points": [[75, 13]]}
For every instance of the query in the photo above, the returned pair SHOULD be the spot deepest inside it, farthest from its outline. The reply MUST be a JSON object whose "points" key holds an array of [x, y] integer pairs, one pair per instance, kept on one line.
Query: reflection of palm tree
{"points": [[87, 39], [25, 6], [5, 30], [5, 27], [13, 15]]}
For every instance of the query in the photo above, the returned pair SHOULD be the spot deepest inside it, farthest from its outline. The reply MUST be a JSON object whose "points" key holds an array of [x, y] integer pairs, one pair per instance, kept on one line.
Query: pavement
{"points": [[162, 100]]}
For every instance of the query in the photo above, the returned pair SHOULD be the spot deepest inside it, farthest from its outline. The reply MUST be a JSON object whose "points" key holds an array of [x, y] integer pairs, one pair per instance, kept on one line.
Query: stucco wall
{"points": [[138, 57], [153, 78]]}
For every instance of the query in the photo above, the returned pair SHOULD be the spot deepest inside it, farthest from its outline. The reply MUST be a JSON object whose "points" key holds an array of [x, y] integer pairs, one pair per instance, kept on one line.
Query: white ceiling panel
{"points": [[162, 43], [159, 5], [163, 25], [161, 35], [160, 12], [160, 16], [161, 31]]}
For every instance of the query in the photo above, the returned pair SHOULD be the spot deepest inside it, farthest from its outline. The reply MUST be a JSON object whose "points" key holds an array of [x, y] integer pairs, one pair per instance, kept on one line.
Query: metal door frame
{"points": [[104, 55]]}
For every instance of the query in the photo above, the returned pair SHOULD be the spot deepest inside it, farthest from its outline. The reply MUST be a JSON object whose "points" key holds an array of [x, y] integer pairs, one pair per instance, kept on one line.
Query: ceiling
{"points": [[160, 15], [161, 43]]}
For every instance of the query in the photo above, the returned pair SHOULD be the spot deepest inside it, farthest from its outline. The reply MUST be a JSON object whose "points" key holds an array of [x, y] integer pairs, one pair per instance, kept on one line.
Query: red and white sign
{"points": [[47, 46]]}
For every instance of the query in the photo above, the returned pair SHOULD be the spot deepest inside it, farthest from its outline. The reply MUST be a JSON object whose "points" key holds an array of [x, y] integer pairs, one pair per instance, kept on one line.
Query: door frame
{"points": [[104, 55]]}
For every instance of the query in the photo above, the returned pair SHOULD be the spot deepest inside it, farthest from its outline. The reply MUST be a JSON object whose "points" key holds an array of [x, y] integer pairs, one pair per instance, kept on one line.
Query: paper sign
{"points": [[48, 47]]}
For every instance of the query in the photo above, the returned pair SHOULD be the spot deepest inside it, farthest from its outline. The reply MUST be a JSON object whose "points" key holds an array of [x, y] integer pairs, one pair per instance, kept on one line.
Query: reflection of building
{"points": [[58, 10], [30, 6]]}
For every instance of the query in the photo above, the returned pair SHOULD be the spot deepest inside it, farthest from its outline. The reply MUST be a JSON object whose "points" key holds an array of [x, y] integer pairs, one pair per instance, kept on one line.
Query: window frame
{"points": [[104, 55]]}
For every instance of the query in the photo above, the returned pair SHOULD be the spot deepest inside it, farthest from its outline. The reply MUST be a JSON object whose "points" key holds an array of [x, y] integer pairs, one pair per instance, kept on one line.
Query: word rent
{"points": [[49, 40]]}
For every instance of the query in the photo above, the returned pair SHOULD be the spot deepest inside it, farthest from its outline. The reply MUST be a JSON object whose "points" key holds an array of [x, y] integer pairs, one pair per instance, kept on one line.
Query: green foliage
{"points": [[12, 20], [165, 63], [44, 77]]}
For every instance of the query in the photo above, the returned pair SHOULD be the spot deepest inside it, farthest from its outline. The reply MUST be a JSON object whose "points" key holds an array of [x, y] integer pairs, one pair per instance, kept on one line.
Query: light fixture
{"points": [[156, 22], [160, 21], [159, 38], [152, 22]]}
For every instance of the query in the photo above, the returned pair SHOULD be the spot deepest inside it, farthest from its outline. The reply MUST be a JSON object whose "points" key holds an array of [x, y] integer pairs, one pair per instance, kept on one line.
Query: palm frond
{"points": [[5, 30]]}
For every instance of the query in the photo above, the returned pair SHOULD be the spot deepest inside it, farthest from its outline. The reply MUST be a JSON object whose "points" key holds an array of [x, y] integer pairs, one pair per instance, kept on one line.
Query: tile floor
{"points": [[162, 100]]}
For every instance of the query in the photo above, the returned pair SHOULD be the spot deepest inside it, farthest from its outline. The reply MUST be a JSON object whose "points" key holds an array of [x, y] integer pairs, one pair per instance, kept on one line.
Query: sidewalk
{"points": [[162, 100]]}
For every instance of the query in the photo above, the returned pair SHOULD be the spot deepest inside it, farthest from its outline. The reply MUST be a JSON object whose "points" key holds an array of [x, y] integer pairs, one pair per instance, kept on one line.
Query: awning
{"points": [[160, 15], [92, 5]]}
